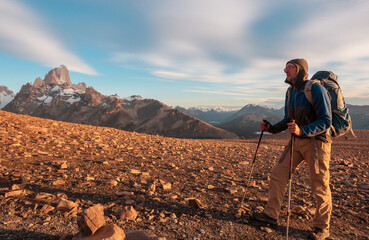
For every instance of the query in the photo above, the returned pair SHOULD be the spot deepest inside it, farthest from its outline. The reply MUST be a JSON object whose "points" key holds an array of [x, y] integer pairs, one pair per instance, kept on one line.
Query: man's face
{"points": [[290, 71]]}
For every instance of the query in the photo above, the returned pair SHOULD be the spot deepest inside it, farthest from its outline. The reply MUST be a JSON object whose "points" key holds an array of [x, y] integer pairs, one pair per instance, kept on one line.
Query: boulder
{"points": [[106, 232], [91, 220]]}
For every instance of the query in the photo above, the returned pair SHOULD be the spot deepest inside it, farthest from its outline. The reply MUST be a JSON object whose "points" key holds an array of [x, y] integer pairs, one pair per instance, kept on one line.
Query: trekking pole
{"points": [[252, 166], [290, 182]]}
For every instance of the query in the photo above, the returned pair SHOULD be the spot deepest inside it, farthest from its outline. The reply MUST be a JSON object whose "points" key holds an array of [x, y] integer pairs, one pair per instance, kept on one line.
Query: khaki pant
{"points": [[316, 153]]}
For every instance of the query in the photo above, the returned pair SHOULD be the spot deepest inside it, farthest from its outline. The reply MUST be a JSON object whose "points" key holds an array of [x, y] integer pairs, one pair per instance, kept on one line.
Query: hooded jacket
{"points": [[314, 120]]}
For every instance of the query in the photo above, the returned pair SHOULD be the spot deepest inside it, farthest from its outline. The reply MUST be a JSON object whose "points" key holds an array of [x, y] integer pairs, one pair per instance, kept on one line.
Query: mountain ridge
{"points": [[57, 98]]}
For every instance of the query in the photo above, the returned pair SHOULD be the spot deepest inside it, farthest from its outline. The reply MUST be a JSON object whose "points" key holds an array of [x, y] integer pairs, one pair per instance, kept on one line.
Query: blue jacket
{"points": [[313, 120]]}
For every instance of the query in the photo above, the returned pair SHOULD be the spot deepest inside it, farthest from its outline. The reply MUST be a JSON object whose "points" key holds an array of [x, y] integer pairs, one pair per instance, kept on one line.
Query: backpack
{"points": [[341, 120]]}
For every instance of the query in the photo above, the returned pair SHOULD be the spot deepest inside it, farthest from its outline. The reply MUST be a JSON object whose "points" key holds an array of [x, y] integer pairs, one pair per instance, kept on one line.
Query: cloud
{"points": [[195, 41], [216, 92], [24, 35], [171, 75], [247, 43]]}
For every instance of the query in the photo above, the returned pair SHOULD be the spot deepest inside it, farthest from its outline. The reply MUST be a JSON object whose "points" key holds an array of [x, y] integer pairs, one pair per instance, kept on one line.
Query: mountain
{"points": [[212, 116], [247, 125], [257, 109], [359, 116], [244, 122], [6, 96], [57, 98]]}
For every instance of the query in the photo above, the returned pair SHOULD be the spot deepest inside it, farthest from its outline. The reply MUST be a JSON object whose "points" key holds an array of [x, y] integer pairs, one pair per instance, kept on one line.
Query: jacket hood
{"points": [[302, 72]]}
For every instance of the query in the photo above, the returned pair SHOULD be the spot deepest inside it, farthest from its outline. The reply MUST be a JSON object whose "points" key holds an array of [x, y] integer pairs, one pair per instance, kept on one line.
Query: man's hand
{"points": [[263, 127], [293, 128]]}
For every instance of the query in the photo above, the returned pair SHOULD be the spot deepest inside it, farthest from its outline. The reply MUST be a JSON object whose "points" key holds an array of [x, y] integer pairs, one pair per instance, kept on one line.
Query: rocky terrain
{"points": [[57, 98], [52, 171]]}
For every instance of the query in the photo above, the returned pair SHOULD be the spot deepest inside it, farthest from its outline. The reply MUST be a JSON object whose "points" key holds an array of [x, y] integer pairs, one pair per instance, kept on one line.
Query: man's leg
{"points": [[318, 165], [279, 179]]}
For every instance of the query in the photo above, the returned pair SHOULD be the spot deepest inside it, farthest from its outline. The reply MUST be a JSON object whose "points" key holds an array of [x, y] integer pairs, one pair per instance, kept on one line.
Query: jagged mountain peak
{"points": [[58, 76]]}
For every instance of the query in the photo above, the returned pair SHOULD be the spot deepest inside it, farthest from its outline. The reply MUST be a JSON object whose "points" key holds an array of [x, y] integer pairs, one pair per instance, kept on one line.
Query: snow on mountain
{"points": [[215, 108], [6, 96], [134, 97]]}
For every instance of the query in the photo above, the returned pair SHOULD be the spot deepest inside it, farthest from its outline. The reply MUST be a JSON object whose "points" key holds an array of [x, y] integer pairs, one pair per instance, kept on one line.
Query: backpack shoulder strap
{"points": [[288, 95], [307, 90]]}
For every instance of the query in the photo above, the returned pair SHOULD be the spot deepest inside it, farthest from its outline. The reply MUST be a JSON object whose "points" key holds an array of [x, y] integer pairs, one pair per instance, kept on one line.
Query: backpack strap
{"points": [[288, 96], [307, 90]]}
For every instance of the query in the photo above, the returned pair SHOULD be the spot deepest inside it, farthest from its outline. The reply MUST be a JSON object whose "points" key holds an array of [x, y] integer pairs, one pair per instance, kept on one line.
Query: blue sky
{"points": [[186, 52]]}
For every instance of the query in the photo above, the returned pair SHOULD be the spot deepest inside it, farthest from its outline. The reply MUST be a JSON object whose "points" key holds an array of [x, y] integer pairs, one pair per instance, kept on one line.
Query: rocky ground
{"points": [[181, 189]]}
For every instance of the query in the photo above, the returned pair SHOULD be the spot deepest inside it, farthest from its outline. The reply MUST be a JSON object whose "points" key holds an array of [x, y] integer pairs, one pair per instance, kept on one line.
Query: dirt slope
{"points": [[43, 161]]}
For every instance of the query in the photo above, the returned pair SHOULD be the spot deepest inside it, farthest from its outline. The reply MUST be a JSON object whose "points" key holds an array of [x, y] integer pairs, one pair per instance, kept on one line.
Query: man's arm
{"points": [[322, 107]]}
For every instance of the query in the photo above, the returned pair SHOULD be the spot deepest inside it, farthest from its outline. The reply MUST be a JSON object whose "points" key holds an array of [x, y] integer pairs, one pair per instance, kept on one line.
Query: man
{"points": [[312, 143]]}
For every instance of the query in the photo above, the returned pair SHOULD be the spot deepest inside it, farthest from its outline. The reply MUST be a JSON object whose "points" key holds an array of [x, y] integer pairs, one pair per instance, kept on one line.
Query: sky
{"points": [[188, 53]]}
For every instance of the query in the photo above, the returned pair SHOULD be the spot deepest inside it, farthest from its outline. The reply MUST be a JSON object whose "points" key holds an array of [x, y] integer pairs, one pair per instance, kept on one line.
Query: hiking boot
{"points": [[320, 234], [264, 218]]}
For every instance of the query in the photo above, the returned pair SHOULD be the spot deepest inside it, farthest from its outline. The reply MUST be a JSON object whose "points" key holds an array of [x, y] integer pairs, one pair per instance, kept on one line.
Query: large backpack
{"points": [[341, 120]]}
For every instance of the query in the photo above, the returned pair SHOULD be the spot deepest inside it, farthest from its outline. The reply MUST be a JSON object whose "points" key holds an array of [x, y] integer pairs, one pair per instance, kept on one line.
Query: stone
{"points": [[106, 232], [16, 187], [263, 198], [128, 213], [111, 182], [47, 208], [141, 235], [152, 188], [58, 182], [135, 172], [63, 165], [166, 186], [266, 229], [15, 193], [195, 203], [42, 196], [125, 193], [129, 202], [140, 198], [66, 205], [244, 163], [91, 220], [232, 190]]}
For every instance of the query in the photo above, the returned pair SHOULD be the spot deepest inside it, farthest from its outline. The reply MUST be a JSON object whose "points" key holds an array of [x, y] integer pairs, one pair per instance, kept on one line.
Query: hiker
{"points": [[312, 143]]}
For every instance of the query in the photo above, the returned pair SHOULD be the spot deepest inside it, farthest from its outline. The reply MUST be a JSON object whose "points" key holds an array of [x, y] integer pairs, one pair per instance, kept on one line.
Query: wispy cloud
{"points": [[23, 34], [217, 92], [171, 75]]}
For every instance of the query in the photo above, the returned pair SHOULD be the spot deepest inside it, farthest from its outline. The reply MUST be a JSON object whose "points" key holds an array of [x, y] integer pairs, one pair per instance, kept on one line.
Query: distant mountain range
{"points": [[246, 121], [56, 97]]}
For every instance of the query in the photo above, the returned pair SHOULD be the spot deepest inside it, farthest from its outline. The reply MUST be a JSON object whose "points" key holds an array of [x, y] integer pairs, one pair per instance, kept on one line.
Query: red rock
{"points": [[195, 203], [91, 220], [106, 232], [128, 213], [47, 208], [66, 205], [15, 193]]}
